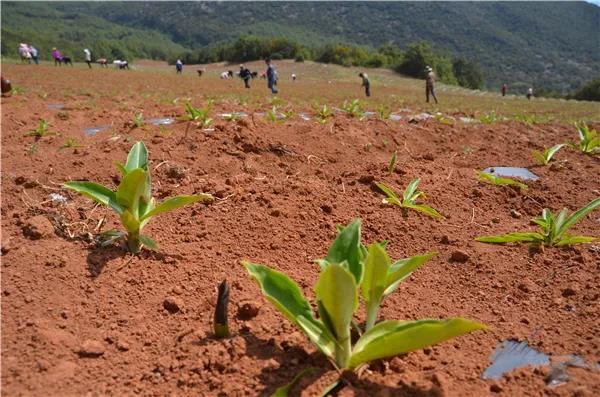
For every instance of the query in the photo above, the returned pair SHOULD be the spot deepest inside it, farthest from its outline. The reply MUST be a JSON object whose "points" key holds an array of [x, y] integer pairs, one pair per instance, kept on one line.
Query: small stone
{"points": [[173, 304], [495, 388], [177, 291], [495, 220], [38, 227], [459, 256], [221, 191], [248, 309], [91, 348], [123, 346], [327, 208], [428, 157], [524, 321], [515, 214], [5, 245]]}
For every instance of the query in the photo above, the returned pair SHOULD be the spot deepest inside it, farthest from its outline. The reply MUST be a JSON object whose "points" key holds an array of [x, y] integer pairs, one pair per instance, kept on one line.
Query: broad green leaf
{"points": [[484, 176], [390, 338], [96, 192], [425, 209], [283, 391], [578, 215], [346, 247], [148, 242], [337, 298], [287, 297], [571, 240], [376, 273], [131, 189], [330, 387], [403, 268], [512, 237], [176, 202], [392, 198], [552, 151], [409, 192], [137, 157]]}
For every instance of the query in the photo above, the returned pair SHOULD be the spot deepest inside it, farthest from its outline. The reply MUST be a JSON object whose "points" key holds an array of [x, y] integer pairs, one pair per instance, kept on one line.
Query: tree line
{"points": [[410, 62]]}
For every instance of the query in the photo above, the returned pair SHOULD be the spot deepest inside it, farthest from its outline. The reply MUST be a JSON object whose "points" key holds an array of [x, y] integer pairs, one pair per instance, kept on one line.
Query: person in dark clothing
{"points": [[504, 89], [245, 75], [365, 83], [179, 66], [271, 76], [429, 85]]}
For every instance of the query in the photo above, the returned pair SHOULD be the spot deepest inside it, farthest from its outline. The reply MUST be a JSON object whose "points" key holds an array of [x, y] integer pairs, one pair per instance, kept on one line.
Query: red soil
{"points": [[78, 320]]}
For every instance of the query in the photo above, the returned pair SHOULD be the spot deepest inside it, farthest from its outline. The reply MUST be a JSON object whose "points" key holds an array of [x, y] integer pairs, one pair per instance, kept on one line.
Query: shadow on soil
{"points": [[99, 257]]}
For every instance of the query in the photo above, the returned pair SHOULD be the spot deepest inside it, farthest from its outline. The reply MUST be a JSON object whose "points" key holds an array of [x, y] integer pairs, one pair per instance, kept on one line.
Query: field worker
{"points": [[179, 66], [293, 76], [529, 93], [504, 89], [34, 55], [271, 76], [24, 53], [56, 56], [429, 84], [365, 83], [88, 57], [245, 75]]}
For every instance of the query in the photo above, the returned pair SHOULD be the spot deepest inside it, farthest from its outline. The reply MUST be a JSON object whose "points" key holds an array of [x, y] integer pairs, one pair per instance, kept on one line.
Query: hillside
{"points": [[551, 45]]}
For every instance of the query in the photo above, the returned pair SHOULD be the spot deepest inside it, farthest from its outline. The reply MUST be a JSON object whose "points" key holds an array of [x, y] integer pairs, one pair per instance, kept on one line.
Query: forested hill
{"points": [[551, 44]]}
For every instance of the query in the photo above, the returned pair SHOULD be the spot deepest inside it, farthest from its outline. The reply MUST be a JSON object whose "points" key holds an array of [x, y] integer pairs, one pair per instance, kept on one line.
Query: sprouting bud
{"points": [[221, 326]]}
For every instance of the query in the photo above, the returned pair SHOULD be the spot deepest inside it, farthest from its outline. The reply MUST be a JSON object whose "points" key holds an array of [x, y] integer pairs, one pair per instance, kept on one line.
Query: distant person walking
{"points": [[56, 56], [34, 55], [271, 76], [179, 66], [429, 85], [24, 53], [87, 54], [504, 89], [365, 83], [246, 75], [294, 76], [529, 93]]}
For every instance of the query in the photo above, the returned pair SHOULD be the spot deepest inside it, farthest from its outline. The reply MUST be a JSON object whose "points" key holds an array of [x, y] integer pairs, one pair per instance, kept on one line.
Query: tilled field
{"points": [[78, 320]]}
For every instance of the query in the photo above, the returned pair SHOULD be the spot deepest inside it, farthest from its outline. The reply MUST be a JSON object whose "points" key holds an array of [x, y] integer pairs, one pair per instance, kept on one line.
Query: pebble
{"points": [[173, 304], [5, 245], [495, 388], [248, 309], [276, 212], [91, 348], [515, 214], [123, 346], [459, 256]]}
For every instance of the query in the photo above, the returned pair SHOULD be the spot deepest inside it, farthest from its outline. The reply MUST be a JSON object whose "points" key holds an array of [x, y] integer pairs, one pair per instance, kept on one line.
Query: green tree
{"points": [[468, 73]]}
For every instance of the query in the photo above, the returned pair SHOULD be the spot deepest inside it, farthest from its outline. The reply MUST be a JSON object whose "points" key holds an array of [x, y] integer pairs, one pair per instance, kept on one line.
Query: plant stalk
{"points": [[372, 310], [133, 241], [342, 351]]}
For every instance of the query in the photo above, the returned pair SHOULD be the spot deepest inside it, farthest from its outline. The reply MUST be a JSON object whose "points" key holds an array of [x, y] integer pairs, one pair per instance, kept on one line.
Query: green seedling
{"points": [[16, 90], [489, 118], [589, 141], [220, 322], [70, 143], [198, 116], [499, 181], [553, 229], [392, 164], [409, 199], [272, 115], [353, 108], [132, 200], [41, 130], [324, 113], [440, 118], [138, 120], [383, 112], [349, 268], [284, 390], [545, 157]]}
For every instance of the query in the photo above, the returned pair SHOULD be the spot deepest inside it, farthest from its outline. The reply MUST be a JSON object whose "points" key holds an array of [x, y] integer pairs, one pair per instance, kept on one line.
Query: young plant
{"points": [[198, 116], [41, 130], [69, 143], [272, 115], [589, 141], [409, 198], [353, 108], [323, 114], [132, 200], [545, 157], [489, 118], [392, 164], [553, 229], [348, 267], [499, 181], [138, 120], [383, 112], [220, 323]]}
